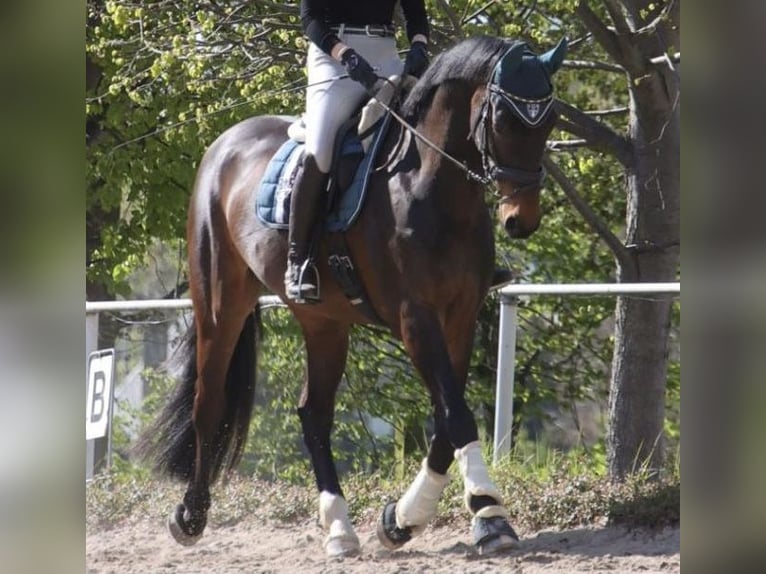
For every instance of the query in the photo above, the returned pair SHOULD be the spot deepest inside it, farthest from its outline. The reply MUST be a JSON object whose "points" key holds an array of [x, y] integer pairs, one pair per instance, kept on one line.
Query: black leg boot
{"points": [[302, 277], [500, 278]]}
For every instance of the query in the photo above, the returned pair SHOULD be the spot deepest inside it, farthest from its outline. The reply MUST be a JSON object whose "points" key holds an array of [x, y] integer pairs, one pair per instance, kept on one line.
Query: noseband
{"points": [[537, 110]]}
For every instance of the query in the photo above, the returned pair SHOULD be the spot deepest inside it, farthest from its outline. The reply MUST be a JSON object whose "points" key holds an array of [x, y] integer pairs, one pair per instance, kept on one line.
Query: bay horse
{"points": [[423, 247]]}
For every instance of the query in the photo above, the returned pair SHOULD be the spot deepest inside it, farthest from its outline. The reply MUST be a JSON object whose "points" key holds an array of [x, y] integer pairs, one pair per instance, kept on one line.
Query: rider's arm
{"points": [[416, 20], [314, 26]]}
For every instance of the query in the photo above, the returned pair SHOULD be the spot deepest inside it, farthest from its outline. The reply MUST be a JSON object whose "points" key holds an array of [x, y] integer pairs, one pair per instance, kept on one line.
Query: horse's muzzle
{"points": [[516, 230], [520, 215]]}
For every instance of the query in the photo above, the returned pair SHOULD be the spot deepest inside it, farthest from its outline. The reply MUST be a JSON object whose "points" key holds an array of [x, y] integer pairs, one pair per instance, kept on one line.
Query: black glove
{"points": [[417, 59], [358, 69]]}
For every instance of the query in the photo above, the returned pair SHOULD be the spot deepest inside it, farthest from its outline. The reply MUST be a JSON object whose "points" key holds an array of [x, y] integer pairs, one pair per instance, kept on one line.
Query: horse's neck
{"points": [[429, 183], [447, 125]]}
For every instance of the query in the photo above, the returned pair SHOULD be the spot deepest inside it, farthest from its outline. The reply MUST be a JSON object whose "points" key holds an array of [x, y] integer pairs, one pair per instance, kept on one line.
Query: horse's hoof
{"points": [[493, 535], [178, 527], [389, 534], [342, 546]]}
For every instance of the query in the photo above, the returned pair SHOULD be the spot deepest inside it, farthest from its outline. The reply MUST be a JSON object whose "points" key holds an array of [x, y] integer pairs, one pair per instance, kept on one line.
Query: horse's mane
{"points": [[470, 60]]}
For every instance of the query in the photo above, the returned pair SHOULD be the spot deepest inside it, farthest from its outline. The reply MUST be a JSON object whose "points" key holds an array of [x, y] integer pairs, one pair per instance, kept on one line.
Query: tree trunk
{"points": [[637, 396], [639, 365]]}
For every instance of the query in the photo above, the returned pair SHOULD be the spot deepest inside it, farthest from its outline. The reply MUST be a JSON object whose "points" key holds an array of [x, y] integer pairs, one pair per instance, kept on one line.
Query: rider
{"points": [[353, 39]]}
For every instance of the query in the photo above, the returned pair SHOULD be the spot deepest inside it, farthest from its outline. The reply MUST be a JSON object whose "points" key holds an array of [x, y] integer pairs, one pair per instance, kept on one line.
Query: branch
{"points": [[477, 12], [600, 136], [561, 145], [590, 217], [651, 27], [177, 291], [621, 24], [453, 18], [610, 112], [575, 44], [591, 65], [670, 59], [603, 35], [675, 14], [632, 9], [526, 11]]}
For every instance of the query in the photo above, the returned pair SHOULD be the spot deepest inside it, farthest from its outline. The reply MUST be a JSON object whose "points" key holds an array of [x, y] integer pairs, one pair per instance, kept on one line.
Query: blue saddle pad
{"points": [[273, 199]]}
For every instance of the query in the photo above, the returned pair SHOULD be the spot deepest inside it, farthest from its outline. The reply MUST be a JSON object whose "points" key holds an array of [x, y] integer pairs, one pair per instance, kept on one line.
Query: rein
{"points": [[470, 174]]}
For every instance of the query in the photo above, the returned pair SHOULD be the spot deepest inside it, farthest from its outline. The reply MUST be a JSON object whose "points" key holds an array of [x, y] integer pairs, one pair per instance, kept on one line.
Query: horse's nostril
{"points": [[510, 225]]}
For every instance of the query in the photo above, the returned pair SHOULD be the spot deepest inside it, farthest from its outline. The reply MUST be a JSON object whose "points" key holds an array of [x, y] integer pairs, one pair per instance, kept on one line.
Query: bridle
{"points": [[522, 180]]}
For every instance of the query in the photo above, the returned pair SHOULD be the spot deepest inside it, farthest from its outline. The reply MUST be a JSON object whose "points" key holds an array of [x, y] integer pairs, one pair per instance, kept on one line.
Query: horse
{"points": [[423, 247]]}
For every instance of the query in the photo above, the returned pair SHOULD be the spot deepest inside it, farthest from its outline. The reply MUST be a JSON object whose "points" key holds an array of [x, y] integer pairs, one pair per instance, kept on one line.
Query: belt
{"points": [[377, 30]]}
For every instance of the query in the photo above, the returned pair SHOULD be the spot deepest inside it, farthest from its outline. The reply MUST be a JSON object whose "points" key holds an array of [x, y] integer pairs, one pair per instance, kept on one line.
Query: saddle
{"points": [[356, 149]]}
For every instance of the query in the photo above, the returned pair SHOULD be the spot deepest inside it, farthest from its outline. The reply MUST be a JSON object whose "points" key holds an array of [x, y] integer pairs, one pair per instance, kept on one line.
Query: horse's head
{"points": [[512, 117]]}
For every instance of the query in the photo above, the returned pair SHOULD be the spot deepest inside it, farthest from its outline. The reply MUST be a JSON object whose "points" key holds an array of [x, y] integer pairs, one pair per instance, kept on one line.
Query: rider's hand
{"points": [[417, 59], [358, 69]]}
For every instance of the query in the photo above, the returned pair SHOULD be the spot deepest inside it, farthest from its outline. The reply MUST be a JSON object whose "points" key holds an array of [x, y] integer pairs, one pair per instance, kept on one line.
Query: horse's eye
{"points": [[502, 119]]}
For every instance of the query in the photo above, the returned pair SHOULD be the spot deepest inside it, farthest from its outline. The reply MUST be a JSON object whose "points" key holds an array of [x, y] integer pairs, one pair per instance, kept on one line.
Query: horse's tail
{"points": [[170, 441]]}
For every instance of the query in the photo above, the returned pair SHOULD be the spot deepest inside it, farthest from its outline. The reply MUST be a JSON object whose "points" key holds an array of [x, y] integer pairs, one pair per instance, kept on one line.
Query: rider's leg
{"points": [[301, 283], [329, 102]]}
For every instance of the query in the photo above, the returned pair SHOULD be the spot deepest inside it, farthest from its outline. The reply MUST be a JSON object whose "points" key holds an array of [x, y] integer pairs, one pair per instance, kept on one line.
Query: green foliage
{"points": [[547, 490], [171, 77], [129, 420], [673, 393], [378, 387], [274, 448], [563, 347]]}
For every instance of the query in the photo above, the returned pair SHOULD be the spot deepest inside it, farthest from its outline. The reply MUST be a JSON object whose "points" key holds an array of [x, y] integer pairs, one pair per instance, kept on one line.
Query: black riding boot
{"points": [[302, 277]]}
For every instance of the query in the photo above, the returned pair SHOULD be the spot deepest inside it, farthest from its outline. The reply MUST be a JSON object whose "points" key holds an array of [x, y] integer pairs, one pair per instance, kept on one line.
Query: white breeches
{"points": [[330, 104], [418, 505], [476, 480]]}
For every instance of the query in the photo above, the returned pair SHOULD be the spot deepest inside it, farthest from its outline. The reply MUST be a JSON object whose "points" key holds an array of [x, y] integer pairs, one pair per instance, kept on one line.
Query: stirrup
{"points": [[303, 289]]}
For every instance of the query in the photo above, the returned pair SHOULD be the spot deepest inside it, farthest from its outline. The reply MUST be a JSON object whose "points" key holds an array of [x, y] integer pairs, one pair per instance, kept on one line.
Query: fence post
{"points": [[506, 356], [96, 451]]}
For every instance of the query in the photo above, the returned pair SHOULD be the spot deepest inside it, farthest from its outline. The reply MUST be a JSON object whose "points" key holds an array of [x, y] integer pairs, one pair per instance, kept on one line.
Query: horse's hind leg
{"points": [[224, 293], [326, 349], [216, 345]]}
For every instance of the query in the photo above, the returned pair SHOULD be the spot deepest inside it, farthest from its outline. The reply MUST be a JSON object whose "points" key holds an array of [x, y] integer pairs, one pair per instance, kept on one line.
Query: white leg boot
{"points": [[491, 531], [418, 505], [333, 516]]}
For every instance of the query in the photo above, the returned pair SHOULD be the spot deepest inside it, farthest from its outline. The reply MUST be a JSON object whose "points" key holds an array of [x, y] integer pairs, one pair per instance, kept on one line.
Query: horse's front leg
{"points": [[491, 530], [443, 362], [326, 349]]}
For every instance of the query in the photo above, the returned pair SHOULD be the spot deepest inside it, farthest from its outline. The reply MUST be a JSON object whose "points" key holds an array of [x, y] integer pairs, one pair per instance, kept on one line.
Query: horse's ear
{"points": [[509, 62], [553, 59]]}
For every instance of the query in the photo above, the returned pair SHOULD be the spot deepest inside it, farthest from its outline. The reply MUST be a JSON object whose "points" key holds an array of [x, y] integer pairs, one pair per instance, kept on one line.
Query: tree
{"points": [[641, 41]]}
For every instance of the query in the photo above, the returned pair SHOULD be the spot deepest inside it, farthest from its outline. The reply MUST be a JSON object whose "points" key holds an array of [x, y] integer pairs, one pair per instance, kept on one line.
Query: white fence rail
{"points": [[506, 355], [94, 307], [506, 347]]}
